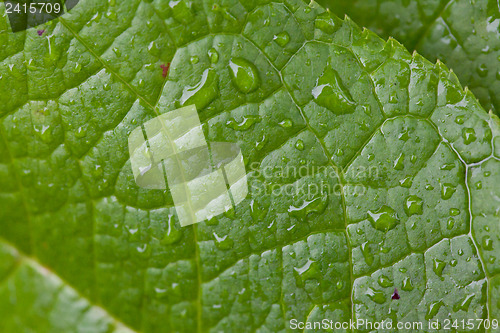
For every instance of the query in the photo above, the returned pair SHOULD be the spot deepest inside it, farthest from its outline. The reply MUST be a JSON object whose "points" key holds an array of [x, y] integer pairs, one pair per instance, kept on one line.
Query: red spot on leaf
{"points": [[40, 32], [165, 69], [396, 294]]}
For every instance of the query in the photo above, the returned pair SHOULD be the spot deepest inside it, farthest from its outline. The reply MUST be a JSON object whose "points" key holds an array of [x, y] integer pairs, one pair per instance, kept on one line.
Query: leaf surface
{"points": [[463, 34]]}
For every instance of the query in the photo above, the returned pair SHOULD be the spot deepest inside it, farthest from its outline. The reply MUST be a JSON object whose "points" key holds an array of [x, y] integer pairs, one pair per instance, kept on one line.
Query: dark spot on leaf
{"points": [[165, 69], [396, 294], [40, 32]]}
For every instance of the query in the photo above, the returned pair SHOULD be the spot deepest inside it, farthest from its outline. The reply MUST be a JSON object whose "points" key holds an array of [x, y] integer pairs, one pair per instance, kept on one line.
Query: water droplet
{"points": [[202, 93], [173, 234], [260, 144], [407, 285], [81, 132], [142, 249], [385, 249], [447, 166], [463, 304], [482, 70], [447, 190], [367, 109], [460, 120], [376, 295], [487, 243], [194, 59], [407, 182], [111, 15], [44, 132], [282, 38], [287, 123], [117, 52], [429, 187], [433, 309], [213, 55], [367, 253], [330, 93], [371, 157], [438, 267], [316, 205], [77, 68], [181, 11], [399, 162], [383, 219], [450, 224], [299, 144], [469, 135], [223, 243], [404, 136], [384, 281], [325, 23], [311, 270], [414, 205], [244, 75], [339, 152], [393, 98], [257, 212], [245, 124], [153, 49], [454, 211]]}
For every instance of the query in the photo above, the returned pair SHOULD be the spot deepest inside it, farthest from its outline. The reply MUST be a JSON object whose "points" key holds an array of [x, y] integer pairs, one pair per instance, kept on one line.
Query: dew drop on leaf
{"points": [[433, 309], [282, 38], [413, 205], [330, 93], [194, 59], [469, 135], [447, 190], [316, 205], [399, 162], [367, 253], [383, 219], [438, 267], [299, 144], [376, 295], [202, 93], [213, 55], [287, 123], [311, 270], [245, 124], [244, 75], [223, 243], [460, 120], [407, 285], [487, 243], [384, 281], [173, 235]]}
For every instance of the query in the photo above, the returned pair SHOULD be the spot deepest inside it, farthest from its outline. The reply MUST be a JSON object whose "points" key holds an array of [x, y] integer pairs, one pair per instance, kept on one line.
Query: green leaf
{"points": [[461, 33], [369, 169]]}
